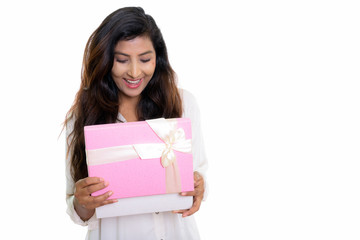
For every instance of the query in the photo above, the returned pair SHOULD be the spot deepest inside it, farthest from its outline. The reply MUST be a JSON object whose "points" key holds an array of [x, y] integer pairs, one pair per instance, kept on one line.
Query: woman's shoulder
{"points": [[187, 97], [190, 106]]}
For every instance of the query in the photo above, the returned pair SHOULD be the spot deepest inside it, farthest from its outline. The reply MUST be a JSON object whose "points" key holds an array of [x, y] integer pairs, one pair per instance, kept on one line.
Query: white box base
{"points": [[146, 204]]}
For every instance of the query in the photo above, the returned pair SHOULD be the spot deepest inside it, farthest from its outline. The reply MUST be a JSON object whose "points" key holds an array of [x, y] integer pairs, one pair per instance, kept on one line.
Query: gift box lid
{"points": [[141, 158]]}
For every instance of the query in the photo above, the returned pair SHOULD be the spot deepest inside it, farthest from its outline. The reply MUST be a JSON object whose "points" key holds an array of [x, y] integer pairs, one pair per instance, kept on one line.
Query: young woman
{"points": [[126, 77]]}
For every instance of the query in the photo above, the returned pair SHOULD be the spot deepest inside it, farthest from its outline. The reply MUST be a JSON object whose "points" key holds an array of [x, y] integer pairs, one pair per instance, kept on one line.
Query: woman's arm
{"points": [[81, 205], [191, 110]]}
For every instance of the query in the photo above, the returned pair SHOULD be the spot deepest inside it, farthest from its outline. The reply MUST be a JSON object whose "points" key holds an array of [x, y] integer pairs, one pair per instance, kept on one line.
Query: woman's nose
{"points": [[134, 70]]}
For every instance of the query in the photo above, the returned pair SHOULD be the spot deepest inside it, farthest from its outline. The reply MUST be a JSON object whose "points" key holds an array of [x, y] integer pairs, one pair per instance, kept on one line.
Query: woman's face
{"points": [[134, 66]]}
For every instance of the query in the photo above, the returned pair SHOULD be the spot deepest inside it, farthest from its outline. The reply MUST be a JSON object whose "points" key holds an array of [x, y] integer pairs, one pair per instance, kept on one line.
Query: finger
{"points": [[109, 201], [195, 207], [179, 211], [96, 187], [197, 176], [94, 202], [82, 183], [197, 192], [192, 193], [199, 183]]}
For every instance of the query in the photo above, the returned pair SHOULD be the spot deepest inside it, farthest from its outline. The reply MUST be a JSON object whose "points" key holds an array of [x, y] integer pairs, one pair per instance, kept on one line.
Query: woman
{"points": [[126, 77]]}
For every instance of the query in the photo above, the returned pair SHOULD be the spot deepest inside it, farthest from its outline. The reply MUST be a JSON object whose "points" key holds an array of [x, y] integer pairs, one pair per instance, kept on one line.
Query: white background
{"points": [[278, 86]]}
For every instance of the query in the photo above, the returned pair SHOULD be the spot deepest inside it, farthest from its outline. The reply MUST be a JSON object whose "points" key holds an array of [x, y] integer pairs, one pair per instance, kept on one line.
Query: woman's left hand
{"points": [[198, 195]]}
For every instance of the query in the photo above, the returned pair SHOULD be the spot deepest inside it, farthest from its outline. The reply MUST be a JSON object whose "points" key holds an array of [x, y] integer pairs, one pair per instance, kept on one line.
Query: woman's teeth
{"points": [[133, 81]]}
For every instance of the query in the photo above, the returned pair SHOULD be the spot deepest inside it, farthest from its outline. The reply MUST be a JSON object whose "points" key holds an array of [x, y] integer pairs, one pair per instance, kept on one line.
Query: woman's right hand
{"points": [[84, 203]]}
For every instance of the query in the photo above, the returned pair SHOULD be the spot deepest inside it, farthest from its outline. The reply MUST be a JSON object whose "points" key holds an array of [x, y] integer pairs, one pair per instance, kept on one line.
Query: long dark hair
{"points": [[97, 100]]}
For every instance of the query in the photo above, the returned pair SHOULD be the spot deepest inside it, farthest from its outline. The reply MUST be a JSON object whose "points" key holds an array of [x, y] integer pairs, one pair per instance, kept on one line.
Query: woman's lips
{"points": [[133, 83]]}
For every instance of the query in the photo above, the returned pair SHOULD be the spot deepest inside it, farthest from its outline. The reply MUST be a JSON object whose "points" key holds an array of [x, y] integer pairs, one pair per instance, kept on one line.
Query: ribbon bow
{"points": [[173, 138]]}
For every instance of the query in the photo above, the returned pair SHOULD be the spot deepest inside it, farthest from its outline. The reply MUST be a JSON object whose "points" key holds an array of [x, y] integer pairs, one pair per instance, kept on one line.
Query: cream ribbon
{"points": [[173, 139]]}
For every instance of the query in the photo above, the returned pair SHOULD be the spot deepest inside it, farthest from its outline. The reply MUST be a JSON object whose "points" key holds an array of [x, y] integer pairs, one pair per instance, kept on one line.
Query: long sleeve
{"points": [[192, 111], [92, 223]]}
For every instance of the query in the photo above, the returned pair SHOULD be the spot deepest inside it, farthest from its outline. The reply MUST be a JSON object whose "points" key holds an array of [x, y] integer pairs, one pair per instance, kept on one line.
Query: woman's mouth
{"points": [[133, 83]]}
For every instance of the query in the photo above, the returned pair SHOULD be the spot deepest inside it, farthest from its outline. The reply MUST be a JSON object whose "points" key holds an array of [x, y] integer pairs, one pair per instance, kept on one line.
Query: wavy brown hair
{"points": [[97, 100]]}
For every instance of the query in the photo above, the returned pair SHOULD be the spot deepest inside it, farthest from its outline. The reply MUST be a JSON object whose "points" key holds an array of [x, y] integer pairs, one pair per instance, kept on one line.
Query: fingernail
{"points": [[110, 193]]}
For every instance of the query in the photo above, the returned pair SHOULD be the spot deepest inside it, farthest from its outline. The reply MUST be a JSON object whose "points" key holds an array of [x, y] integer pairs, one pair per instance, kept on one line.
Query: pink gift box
{"points": [[145, 162]]}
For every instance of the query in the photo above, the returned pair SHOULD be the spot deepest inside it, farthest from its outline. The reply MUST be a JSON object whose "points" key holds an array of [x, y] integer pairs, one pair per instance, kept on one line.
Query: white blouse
{"points": [[163, 225]]}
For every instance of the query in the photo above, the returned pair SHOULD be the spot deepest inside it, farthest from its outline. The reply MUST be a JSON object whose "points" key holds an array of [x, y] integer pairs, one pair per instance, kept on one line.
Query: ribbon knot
{"points": [[173, 138]]}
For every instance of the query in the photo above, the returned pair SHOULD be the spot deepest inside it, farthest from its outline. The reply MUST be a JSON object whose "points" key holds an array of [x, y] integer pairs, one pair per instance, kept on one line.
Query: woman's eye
{"points": [[145, 60], [121, 61]]}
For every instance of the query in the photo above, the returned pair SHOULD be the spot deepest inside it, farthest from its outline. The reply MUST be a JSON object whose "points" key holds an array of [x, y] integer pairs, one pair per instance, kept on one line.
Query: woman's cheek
{"points": [[149, 70]]}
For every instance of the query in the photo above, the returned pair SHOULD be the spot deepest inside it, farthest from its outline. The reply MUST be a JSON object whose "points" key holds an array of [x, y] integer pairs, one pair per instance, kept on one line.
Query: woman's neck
{"points": [[128, 107]]}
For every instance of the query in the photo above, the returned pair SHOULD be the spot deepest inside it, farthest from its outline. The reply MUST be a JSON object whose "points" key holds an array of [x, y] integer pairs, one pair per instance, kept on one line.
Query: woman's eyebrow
{"points": [[144, 53], [127, 55]]}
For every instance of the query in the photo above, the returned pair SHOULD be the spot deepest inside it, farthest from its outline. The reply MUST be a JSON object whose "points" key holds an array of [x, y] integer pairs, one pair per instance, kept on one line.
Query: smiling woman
{"points": [[126, 77]]}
